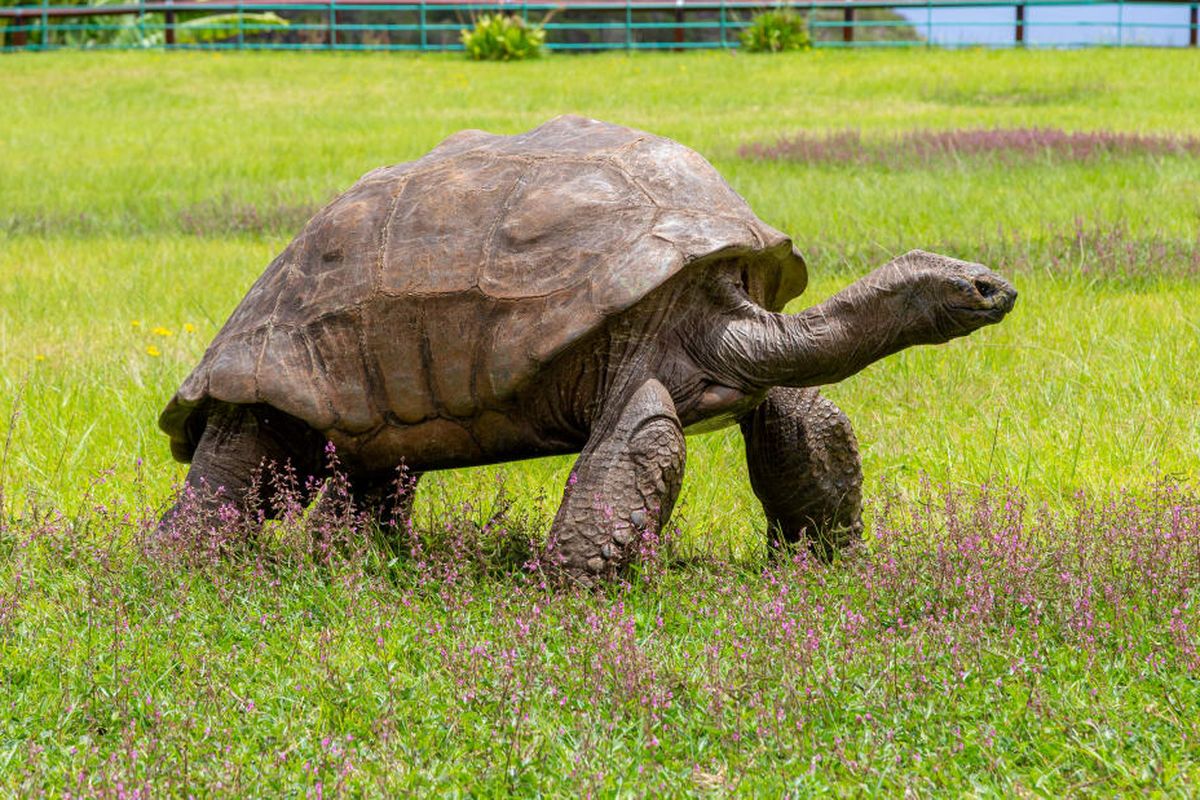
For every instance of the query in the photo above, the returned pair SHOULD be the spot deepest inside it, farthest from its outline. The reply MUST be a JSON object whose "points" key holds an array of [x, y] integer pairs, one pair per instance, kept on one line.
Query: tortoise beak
{"points": [[995, 293]]}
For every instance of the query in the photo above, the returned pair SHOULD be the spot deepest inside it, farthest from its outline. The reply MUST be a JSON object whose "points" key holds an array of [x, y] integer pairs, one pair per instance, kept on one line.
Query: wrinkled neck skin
{"points": [[878, 315], [717, 350]]}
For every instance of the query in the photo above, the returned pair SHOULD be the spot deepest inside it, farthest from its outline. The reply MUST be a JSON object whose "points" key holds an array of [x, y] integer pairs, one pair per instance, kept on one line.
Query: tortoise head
{"points": [[918, 298], [935, 298]]}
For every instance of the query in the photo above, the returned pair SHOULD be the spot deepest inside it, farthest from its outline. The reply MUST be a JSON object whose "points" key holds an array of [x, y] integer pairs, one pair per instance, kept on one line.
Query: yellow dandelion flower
{"points": [[153, 351], [39, 357], [159, 330], [189, 327], [137, 323]]}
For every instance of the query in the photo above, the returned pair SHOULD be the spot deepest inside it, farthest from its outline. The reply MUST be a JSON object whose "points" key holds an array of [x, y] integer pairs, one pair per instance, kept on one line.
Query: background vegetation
{"points": [[434, 27], [776, 31], [144, 192], [503, 37]]}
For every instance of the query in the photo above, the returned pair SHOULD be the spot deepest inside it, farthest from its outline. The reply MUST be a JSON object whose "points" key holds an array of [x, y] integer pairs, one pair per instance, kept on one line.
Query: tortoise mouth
{"points": [[991, 301], [991, 313]]}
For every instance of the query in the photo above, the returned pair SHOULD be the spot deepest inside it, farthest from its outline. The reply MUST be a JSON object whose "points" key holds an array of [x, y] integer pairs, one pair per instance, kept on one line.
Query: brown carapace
{"points": [[582, 287]]}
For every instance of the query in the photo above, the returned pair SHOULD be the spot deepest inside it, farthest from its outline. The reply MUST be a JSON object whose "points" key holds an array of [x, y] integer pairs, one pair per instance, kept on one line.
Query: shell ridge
{"points": [[385, 236], [289, 274], [633, 181], [425, 351], [371, 371], [762, 243], [266, 330], [489, 247], [319, 361], [486, 332]]}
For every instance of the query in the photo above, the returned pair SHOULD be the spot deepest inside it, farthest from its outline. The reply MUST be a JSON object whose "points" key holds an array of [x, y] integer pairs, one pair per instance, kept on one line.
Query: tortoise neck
{"points": [[827, 343]]}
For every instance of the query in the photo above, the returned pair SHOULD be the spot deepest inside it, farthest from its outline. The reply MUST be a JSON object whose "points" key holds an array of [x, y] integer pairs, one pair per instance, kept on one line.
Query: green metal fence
{"points": [[596, 25]]}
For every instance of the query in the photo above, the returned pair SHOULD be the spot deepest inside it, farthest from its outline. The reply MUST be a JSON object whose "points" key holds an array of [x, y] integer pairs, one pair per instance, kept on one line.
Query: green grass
{"points": [[1078, 388], [153, 188]]}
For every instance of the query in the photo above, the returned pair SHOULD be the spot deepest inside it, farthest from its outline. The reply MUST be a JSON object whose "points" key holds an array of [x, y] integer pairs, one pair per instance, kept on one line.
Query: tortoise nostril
{"points": [[985, 288]]}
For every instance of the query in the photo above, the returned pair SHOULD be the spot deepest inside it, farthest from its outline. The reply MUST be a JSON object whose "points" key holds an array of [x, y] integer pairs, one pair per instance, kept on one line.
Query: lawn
{"points": [[1022, 620]]}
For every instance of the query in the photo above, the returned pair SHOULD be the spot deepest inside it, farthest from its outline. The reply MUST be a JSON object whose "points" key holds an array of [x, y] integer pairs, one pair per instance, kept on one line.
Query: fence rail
{"points": [[570, 24]]}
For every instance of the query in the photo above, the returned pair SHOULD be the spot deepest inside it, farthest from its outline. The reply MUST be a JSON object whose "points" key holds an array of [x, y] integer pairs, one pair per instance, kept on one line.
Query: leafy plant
{"points": [[149, 30], [216, 27], [503, 37], [777, 30]]}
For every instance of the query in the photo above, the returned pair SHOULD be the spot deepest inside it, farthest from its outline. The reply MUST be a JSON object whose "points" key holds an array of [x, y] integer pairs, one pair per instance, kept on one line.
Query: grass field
{"points": [[1036, 637]]}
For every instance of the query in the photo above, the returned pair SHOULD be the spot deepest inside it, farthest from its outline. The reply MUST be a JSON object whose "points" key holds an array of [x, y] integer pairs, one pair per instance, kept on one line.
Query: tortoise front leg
{"points": [[805, 468], [624, 483], [233, 464]]}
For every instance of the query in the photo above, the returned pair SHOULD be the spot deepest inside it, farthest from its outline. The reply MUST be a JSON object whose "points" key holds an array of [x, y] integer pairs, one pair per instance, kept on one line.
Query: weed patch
{"points": [[227, 216], [1118, 253], [909, 663], [921, 148]]}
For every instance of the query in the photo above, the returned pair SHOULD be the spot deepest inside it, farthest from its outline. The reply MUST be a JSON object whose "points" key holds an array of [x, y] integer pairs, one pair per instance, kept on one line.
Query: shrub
{"points": [[503, 37], [148, 30], [775, 31], [221, 27]]}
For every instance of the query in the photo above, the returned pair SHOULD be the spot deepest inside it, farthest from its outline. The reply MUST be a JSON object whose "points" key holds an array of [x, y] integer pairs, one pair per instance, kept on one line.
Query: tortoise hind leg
{"points": [[625, 482], [805, 468], [238, 444]]}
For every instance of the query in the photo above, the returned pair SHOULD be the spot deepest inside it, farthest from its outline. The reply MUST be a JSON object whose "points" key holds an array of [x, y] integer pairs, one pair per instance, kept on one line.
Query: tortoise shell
{"points": [[440, 287]]}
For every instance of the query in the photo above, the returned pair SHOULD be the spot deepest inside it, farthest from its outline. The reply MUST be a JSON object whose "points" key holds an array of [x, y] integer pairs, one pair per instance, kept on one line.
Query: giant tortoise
{"points": [[579, 288]]}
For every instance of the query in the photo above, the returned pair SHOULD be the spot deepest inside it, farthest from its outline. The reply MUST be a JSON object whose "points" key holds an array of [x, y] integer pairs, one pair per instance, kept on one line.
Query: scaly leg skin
{"points": [[805, 469], [625, 482], [233, 461]]}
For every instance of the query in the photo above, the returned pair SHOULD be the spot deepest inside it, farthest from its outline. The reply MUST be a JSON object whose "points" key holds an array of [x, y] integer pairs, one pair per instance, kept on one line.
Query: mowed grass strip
{"points": [[133, 141], [151, 189]]}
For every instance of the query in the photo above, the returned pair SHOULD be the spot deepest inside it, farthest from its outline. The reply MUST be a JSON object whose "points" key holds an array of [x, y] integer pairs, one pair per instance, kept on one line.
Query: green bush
{"points": [[220, 27], [148, 30], [776, 31], [503, 37]]}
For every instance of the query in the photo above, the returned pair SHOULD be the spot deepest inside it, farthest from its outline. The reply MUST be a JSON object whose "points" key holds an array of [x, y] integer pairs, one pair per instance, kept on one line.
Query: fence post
{"points": [[721, 23], [169, 25], [1195, 23], [241, 12], [45, 45], [848, 19], [421, 25], [20, 38], [1021, 24], [1120, 23], [679, 22], [628, 24], [331, 38]]}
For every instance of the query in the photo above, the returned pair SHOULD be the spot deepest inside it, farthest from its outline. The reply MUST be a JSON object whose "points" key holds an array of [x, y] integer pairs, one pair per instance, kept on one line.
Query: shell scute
{"points": [[676, 177], [287, 354], [338, 354], [442, 220], [394, 331], [318, 278]]}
